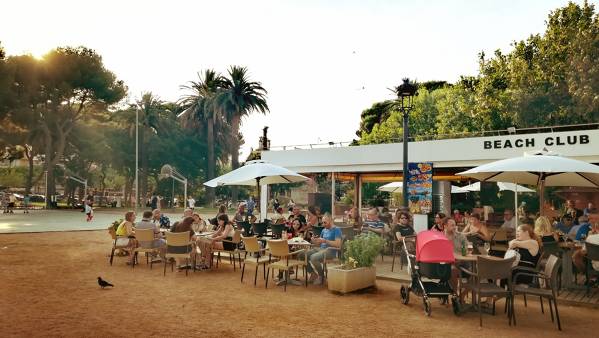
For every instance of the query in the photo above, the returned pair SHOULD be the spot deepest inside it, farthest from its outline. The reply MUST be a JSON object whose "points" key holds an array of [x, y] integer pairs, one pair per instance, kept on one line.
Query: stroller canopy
{"points": [[433, 247]]}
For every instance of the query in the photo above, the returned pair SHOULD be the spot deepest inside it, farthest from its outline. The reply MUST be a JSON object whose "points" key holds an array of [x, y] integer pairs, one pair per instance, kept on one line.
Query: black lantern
{"points": [[405, 102]]}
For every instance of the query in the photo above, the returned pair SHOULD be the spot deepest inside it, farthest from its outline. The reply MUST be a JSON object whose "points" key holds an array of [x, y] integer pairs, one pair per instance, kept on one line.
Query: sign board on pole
{"points": [[420, 187]]}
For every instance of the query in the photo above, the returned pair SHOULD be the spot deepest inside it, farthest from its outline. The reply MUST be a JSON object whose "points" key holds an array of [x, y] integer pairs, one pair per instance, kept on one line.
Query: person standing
{"points": [[11, 203], [26, 204], [89, 211], [154, 202], [251, 205], [191, 203]]}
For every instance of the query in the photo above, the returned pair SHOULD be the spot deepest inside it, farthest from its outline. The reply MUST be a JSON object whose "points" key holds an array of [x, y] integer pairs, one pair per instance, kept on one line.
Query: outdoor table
{"points": [[567, 274]]}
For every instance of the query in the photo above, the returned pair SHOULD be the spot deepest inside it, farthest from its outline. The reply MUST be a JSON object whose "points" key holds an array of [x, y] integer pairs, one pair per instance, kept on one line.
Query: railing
{"points": [[432, 137]]}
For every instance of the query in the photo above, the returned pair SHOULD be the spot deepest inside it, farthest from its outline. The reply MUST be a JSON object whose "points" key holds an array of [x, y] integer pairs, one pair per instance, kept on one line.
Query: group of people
{"points": [[9, 203]]}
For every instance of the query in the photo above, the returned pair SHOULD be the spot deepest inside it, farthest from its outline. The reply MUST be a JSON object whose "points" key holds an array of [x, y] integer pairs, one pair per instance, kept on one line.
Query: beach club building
{"points": [[383, 162]]}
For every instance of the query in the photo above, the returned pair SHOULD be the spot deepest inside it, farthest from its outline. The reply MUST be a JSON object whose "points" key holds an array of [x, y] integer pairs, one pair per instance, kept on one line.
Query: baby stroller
{"points": [[430, 257]]}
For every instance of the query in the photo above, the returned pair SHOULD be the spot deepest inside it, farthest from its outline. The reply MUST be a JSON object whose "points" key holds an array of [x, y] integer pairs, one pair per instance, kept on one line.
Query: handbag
{"points": [[513, 253]]}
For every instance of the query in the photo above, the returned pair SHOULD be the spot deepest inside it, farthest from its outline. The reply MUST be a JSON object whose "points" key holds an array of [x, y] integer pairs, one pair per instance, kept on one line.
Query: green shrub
{"points": [[116, 224], [362, 250]]}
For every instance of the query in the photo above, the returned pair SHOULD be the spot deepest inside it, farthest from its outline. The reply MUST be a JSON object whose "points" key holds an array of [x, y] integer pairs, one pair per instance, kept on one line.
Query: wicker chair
{"points": [[143, 236], [492, 269], [280, 249], [175, 242], [549, 291], [257, 257]]}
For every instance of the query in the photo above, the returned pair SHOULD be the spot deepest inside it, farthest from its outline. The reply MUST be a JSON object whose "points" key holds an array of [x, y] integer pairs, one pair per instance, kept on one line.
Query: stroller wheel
{"points": [[405, 294], [427, 306], [455, 304]]}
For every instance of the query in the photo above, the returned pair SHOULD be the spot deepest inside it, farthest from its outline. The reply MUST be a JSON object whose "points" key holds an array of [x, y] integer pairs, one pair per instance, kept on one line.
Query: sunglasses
{"points": [[403, 217]]}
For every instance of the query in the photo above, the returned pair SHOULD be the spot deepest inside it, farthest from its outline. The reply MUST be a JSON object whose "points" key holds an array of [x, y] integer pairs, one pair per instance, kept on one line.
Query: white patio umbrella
{"points": [[257, 173], [391, 187], [502, 186], [457, 190], [541, 168]]}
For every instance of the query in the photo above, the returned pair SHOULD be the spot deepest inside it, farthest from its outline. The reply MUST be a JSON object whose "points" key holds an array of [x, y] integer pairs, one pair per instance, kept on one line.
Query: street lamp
{"points": [[405, 102]]}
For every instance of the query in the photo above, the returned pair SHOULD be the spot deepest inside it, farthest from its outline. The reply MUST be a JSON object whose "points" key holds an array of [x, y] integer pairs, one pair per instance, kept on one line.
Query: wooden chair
{"points": [[143, 236], [231, 247], [178, 245], [592, 255], [280, 249], [258, 257], [549, 291], [119, 243], [493, 269], [499, 241]]}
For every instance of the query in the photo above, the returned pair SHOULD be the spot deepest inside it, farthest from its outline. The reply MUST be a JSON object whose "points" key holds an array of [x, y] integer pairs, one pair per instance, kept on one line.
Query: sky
{"points": [[322, 62]]}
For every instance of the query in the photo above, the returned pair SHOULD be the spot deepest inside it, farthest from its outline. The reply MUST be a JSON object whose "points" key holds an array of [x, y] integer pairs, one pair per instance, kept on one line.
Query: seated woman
{"points": [[354, 219], [438, 222], [312, 220], [476, 231], [126, 232], [199, 225], [544, 230], [186, 225], [457, 217], [527, 247], [403, 227], [215, 241], [279, 218]]}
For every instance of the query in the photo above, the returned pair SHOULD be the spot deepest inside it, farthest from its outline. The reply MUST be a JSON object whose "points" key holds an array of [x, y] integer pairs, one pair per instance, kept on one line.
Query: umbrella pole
{"points": [[542, 197], [516, 205], [259, 200]]}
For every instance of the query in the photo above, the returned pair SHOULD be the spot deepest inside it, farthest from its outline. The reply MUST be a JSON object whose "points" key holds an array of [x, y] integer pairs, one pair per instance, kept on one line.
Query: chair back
{"points": [[277, 230], [592, 251], [317, 230], [236, 237], [145, 235], [489, 268], [550, 248], [552, 268], [279, 247], [347, 232], [177, 238], [260, 229], [246, 227], [251, 244], [500, 235]]}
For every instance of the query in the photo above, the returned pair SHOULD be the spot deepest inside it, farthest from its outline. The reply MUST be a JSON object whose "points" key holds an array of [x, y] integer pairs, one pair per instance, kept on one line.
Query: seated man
{"points": [[158, 243], [509, 222], [330, 238], [242, 215], [583, 228], [566, 227], [159, 218], [372, 222], [578, 255]]}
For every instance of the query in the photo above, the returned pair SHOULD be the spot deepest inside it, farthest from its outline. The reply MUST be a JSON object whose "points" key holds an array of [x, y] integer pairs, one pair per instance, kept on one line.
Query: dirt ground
{"points": [[48, 287]]}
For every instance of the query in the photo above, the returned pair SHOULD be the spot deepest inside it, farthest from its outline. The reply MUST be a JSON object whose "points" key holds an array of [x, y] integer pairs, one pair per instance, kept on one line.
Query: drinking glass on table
{"points": [[487, 246], [470, 248]]}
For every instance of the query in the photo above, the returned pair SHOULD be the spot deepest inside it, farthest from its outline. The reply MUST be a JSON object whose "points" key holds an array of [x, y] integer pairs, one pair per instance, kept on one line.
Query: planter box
{"points": [[345, 281]]}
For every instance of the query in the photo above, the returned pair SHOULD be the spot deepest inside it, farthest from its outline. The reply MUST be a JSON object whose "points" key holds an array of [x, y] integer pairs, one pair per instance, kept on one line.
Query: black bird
{"points": [[103, 283]]}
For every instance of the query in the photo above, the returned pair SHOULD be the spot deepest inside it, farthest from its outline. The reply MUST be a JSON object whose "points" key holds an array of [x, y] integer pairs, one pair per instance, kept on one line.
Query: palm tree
{"points": [[200, 112], [240, 98]]}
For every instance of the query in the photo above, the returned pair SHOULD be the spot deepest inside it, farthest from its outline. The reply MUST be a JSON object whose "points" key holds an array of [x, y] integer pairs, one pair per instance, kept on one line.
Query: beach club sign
{"points": [[534, 141]]}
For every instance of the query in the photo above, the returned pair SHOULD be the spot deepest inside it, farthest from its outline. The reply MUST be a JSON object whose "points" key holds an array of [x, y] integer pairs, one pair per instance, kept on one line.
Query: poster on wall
{"points": [[420, 187]]}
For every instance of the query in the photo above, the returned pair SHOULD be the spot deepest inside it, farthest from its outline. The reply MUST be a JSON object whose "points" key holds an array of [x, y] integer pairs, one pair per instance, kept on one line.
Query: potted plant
{"points": [[357, 270], [113, 227]]}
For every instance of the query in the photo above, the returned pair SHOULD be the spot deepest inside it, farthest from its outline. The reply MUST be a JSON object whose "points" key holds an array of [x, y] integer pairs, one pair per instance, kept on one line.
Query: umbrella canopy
{"points": [[457, 190], [501, 185], [552, 169], [392, 187], [257, 173], [541, 168]]}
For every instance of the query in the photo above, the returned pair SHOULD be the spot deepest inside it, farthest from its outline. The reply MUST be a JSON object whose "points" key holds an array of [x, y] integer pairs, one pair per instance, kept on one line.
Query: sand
{"points": [[48, 287]]}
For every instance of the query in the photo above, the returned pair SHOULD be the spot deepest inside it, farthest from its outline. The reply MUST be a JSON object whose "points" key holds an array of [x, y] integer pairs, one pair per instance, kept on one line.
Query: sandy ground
{"points": [[48, 288]]}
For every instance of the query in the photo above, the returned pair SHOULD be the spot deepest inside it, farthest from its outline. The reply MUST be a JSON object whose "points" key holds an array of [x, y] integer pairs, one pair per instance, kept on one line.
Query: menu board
{"points": [[420, 187]]}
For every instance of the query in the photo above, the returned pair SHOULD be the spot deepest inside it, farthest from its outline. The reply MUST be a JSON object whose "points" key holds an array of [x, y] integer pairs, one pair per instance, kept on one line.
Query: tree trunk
{"points": [[143, 156], [211, 161], [235, 153], [29, 181]]}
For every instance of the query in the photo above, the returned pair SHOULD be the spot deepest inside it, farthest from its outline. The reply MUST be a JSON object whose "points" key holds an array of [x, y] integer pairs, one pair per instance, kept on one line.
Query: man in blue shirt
{"points": [[251, 205], [329, 243], [583, 228], [565, 226]]}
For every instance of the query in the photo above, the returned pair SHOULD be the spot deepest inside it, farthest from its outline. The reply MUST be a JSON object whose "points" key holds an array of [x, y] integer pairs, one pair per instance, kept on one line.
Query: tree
{"points": [[239, 98], [50, 96], [200, 113]]}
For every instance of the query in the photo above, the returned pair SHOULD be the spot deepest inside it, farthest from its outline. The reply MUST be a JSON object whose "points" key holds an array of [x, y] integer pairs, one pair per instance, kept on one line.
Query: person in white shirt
{"points": [[509, 222], [191, 203]]}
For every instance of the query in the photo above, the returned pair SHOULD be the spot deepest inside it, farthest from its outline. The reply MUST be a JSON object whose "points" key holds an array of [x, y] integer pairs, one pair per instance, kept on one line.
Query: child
{"points": [[89, 211]]}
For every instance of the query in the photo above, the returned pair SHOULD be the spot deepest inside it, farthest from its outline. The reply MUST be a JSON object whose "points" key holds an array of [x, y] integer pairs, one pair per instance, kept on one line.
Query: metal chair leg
{"points": [[551, 310], [255, 274], [242, 272], [525, 304], [267, 273], [542, 309], [559, 325], [112, 255]]}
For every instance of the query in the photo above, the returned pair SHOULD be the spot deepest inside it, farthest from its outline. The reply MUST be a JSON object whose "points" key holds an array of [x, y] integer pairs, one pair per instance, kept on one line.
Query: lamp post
{"points": [[405, 100], [136, 156]]}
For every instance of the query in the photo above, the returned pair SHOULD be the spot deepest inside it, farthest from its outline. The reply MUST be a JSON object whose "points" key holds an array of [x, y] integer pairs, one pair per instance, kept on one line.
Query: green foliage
{"points": [[362, 250], [116, 223], [546, 80]]}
